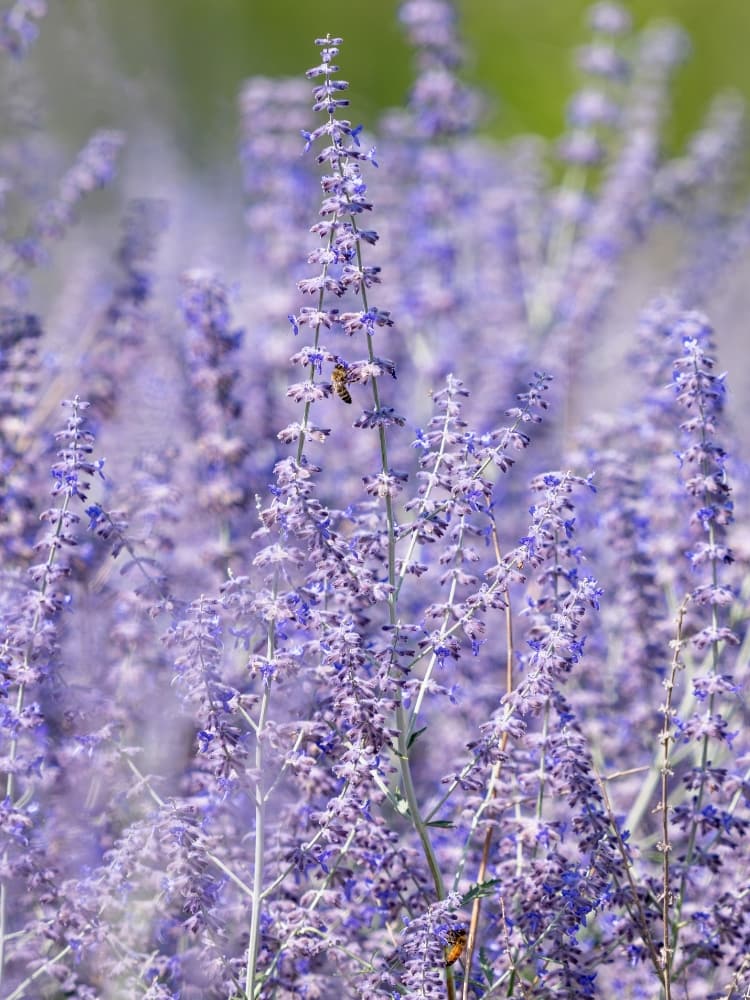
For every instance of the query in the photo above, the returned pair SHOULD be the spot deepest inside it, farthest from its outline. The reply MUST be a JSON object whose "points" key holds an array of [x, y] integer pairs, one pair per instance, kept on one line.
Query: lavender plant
{"points": [[391, 667]]}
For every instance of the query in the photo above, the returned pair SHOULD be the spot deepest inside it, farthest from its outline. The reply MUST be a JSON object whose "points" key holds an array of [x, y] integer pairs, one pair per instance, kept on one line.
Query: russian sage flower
{"points": [[402, 650]]}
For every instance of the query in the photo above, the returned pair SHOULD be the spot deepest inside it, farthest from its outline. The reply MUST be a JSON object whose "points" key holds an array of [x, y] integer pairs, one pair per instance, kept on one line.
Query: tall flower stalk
{"points": [[27, 651]]}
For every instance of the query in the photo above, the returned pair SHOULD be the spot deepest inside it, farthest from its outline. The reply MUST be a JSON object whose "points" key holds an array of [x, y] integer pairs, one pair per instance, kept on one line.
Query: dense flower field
{"points": [[392, 665]]}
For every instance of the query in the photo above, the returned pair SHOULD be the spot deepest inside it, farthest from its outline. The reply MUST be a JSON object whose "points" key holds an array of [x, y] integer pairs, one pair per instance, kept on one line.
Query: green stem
{"points": [[21, 988], [665, 845], [260, 824]]}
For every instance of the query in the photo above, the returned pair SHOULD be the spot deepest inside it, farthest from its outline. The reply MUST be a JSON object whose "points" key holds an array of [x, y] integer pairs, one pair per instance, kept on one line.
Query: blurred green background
{"points": [[168, 73], [179, 63]]}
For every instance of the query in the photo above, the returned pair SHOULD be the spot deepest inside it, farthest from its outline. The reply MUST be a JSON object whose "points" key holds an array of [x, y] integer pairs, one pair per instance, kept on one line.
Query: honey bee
{"points": [[339, 378], [457, 939]]}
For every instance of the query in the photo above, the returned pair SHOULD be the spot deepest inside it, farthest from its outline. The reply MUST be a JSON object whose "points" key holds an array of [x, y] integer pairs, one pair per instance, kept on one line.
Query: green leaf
{"points": [[444, 824], [479, 890], [486, 966], [413, 737]]}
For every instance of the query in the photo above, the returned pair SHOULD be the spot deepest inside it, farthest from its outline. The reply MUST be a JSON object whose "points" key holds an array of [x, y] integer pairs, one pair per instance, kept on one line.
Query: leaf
{"points": [[486, 966], [413, 737], [479, 890], [402, 806]]}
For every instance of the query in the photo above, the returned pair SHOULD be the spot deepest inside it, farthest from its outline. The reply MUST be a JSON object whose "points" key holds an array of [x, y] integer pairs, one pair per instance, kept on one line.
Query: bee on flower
{"points": [[457, 938], [339, 379]]}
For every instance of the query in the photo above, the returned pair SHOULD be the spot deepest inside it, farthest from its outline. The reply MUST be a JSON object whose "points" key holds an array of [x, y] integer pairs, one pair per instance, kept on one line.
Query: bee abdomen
{"points": [[338, 378], [457, 938]]}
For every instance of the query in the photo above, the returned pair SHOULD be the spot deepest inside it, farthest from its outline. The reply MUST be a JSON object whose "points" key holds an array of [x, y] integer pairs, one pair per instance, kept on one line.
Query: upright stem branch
{"points": [[251, 987], [491, 793], [665, 846]]}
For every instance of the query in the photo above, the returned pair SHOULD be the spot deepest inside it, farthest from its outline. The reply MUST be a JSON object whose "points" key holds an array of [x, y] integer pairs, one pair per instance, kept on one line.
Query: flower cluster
{"points": [[421, 676]]}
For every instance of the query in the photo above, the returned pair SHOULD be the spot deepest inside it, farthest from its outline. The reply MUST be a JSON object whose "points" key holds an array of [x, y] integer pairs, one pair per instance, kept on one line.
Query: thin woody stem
{"points": [[491, 793]]}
